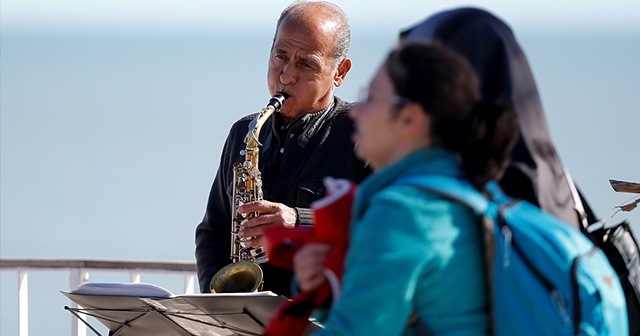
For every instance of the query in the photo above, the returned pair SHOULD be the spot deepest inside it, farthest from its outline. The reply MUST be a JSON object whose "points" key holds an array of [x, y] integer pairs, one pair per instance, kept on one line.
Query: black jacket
{"points": [[314, 146]]}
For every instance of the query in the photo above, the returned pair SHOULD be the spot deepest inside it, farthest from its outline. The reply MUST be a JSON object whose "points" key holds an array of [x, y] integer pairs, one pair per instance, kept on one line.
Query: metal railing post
{"points": [[189, 283], [135, 277], [77, 276], [23, 303]]}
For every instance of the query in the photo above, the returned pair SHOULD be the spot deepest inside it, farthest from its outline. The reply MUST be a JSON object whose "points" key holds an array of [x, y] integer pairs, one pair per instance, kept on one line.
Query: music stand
{"points": [[127, 311]]}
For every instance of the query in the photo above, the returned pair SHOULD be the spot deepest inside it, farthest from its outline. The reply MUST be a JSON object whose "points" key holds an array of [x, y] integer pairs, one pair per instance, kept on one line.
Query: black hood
{"points": [[489, 45]]}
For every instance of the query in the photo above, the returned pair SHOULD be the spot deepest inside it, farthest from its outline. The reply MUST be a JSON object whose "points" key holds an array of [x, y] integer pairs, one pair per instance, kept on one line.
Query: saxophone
{"points": [[244, 274]]}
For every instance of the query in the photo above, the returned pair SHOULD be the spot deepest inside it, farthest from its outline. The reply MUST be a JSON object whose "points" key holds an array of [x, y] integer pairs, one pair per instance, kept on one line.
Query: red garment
{"points": [[332, 216]]}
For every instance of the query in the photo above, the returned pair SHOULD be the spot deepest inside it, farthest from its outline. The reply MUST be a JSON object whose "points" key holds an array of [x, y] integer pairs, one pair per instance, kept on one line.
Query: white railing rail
{"points": [[79, 271]]}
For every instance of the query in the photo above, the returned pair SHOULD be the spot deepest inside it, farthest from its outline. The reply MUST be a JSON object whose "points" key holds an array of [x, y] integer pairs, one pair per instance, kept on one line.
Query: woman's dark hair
{"points": [[448, 90]]}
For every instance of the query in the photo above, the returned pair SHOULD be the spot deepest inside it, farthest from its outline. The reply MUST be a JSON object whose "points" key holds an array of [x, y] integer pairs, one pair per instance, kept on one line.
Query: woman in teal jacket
{"points": [[416, 261]]}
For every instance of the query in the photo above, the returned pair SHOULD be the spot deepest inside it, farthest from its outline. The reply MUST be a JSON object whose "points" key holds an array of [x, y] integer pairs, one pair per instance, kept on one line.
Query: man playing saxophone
{"points": [[307, 139]]}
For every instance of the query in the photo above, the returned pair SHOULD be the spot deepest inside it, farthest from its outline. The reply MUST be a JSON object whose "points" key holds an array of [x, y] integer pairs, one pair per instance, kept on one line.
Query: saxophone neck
{"points": [[251, 140]]}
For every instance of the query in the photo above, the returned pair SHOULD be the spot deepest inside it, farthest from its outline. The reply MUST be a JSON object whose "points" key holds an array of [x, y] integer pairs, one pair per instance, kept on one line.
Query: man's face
{"points": [[301, 65]]}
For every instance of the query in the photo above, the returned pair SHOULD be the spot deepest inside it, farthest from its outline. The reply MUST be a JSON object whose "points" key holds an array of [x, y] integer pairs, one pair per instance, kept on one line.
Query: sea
{"points": [[110, 141]]}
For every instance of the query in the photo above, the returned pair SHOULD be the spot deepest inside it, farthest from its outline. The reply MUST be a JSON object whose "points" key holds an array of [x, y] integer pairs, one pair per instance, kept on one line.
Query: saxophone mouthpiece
{"points": [[277, 100]]}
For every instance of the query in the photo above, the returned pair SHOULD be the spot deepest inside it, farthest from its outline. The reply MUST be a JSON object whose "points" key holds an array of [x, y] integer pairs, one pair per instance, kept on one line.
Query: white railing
{"points": [[79, 271]]}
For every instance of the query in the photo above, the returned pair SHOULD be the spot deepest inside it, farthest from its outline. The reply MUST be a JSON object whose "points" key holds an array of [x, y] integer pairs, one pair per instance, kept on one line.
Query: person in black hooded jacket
{"points": [[535, 172]]}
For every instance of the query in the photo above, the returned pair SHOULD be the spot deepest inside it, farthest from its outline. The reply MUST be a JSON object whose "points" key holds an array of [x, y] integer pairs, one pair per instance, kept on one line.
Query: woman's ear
{"points": [[415, 120], [412, 114]]}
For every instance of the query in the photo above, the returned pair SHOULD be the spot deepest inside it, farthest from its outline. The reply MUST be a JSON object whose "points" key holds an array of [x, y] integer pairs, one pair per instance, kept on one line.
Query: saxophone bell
{"points": [[238, 277]]}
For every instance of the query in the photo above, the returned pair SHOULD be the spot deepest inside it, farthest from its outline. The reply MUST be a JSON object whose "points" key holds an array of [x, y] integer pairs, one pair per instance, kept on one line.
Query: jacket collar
{"points": [[302, 129], [431, 161]]}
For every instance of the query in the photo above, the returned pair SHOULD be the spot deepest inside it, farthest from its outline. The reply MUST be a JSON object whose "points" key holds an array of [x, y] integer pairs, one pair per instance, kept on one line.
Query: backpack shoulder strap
{"points": [[458, 190]]}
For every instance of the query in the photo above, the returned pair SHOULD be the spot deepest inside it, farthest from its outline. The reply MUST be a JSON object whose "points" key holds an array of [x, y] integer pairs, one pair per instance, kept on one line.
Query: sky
{"points": [[203, 15], [148, 166]]}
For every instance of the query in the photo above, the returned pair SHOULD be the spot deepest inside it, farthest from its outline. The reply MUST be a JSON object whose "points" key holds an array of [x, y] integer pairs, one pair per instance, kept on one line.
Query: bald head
{"points": [[324, 16]]}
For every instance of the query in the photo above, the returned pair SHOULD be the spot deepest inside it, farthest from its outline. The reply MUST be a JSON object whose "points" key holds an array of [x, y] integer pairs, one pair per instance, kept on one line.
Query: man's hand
{"points": [[270, 213], [308, 265]]}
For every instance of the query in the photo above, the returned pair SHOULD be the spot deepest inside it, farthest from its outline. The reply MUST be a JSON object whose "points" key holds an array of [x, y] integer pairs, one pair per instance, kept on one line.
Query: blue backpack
{"points": [[547, 277]]}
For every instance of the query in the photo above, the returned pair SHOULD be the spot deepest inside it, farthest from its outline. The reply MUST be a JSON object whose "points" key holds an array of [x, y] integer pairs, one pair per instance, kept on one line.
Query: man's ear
{"points": [[341, 72]]}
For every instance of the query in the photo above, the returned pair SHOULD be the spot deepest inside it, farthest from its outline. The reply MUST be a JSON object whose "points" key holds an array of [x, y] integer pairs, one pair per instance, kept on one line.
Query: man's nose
{"points": [[288, 75]]}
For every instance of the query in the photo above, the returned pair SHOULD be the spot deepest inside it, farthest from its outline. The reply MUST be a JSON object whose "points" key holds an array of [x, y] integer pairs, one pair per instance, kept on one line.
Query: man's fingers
{"points": [[248, 232], [256, 206], [255, 241], [268, 213], [254, 226]]}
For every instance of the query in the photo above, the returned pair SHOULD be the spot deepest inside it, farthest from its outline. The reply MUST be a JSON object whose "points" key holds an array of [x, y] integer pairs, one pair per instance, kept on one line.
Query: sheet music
{"points": [[122, 289]]}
